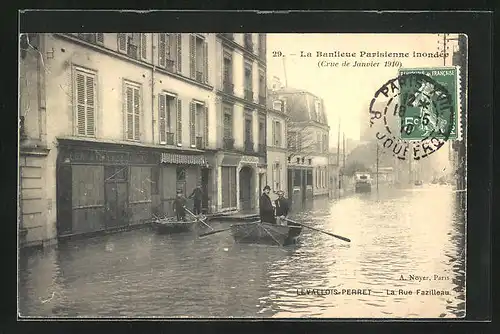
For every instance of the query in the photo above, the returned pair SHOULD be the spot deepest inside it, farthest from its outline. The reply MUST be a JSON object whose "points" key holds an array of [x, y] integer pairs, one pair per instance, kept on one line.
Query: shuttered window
{"points": [[167, 111], [144, 45], [198, 58], [132, 112], [170, 51], [179, 122], [192, 123], [85, 102], [134, 45]]}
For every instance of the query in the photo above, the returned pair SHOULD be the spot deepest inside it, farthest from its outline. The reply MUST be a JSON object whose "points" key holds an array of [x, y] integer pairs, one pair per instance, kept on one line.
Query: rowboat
{"points": [[171, 225], [265, 233]]}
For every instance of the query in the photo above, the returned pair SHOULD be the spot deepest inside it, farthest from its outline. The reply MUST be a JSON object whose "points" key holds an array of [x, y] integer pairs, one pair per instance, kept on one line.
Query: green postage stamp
{"points": [[429, 103]]}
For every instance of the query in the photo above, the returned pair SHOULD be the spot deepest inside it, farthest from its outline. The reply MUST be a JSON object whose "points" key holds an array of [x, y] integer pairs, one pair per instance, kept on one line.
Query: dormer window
{"points": [[278, 105]]}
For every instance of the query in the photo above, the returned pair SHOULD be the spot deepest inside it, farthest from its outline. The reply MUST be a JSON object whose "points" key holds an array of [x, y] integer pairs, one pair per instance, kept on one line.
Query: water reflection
{"points": [[394, 234]]}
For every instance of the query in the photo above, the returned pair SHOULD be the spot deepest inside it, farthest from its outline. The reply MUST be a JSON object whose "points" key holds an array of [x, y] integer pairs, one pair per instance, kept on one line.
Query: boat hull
{"points": [[170, 227], [265, 233]]}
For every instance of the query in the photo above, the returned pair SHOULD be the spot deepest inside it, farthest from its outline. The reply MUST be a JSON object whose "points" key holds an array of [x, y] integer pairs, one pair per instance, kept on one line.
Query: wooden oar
{"points": [[317, 229], [213, 232], [198, 219]]}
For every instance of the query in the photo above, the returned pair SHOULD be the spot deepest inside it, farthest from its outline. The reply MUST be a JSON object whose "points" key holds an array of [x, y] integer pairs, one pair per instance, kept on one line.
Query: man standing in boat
{"points": [[179, 204], [266, 207], [282, 208], [197, 195]]}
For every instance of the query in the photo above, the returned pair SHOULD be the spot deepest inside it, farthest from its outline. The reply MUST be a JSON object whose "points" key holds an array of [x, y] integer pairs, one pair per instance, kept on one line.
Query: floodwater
{"points": [[395, 233]]}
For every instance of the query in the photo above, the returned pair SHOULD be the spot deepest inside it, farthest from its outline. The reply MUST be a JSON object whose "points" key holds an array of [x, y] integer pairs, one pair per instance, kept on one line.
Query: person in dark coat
{"points": [[197, 196], [282, 208], [179, 204], [266, 207]]}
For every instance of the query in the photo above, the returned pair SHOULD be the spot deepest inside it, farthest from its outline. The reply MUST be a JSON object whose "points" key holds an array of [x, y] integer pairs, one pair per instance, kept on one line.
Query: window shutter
{"points": [[80, 103], [144, 45], [192, 56], [179, 122], [100, 38], [205, 133], [137, 127], [162, 117], [192, 123], [205, 61], [122, 42], [130, 112], [179, 52], [161, 49], [90, 112]]}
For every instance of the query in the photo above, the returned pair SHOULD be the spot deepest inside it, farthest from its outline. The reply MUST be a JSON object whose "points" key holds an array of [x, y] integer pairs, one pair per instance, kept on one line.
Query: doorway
{"points": [[246, 202], [116, 196]]}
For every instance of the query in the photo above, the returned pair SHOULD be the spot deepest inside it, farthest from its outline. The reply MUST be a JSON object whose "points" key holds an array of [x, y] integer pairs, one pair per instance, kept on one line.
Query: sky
{"points": [[347, 91]]}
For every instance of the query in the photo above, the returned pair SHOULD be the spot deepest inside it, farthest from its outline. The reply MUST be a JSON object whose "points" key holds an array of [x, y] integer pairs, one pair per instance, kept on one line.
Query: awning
{"points": [[182, 159], [231, 160]]}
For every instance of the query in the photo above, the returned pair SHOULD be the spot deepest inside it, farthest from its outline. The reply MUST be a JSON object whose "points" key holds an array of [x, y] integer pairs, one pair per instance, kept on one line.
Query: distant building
{"points": [[307, 142]]}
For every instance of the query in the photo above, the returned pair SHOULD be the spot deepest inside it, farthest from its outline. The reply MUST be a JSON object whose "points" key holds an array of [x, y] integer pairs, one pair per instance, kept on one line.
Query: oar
{"points": [[317, 229], [198, 219], [213, 232]]}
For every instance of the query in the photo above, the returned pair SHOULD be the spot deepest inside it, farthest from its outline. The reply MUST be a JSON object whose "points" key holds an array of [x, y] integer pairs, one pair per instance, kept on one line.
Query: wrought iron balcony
{"points": [[229, 36], [262, 100], [262, 148], [249, 146], [132, 51], [199, 76], [228, 143], [169, 65], [199, 143], [249, 95], [170, 138], [228, 87]]}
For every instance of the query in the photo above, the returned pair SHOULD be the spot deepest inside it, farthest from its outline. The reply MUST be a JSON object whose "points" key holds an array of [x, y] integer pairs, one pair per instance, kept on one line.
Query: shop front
{"points": [[103, 186]]}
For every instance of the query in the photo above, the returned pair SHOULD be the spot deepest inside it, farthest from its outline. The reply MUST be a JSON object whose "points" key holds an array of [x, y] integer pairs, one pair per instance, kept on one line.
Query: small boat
{"points": [[265, 233], [171, 225]]}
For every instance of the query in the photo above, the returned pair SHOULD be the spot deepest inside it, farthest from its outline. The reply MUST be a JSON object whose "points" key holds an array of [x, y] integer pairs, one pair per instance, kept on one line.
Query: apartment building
{"points": [[307, 143], [241, 112], [277, 119], [112, 124]]}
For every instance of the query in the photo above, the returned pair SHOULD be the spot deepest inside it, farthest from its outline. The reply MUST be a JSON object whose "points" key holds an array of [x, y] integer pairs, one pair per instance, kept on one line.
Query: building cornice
{"points": [[233, 98], [232, 44]]}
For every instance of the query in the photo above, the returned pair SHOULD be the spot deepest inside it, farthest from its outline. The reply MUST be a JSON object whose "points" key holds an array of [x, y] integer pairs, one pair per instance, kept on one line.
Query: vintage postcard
{"points": [[249, 175]]}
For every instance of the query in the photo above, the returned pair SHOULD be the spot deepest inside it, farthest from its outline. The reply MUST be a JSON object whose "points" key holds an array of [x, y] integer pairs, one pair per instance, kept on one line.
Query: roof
{"points": [[301, 105]]}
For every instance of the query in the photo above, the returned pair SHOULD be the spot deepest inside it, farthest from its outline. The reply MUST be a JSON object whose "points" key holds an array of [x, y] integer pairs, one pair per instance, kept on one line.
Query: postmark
{"points": [[417, 112]]}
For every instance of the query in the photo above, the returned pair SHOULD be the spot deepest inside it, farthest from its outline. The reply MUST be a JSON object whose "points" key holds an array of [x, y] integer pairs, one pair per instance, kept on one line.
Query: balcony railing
{"points": [[199, 76], [88, 37], [249, 146], [228, 87], [199, 143], [248, 95], [170, 138], [228, 143], [262, 148], [132, 51], [169, 65], [262, 100]]}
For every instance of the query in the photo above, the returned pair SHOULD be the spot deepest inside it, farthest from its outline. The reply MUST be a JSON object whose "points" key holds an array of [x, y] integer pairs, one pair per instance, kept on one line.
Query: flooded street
{"points": [[395, 234]]}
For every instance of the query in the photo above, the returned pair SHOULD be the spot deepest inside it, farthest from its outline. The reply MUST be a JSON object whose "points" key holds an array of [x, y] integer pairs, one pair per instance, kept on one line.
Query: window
{"points": [[248, 43], [248, 76], [170, 51], [317, 110], [181, 179], [167, 118], [228, 67], [262, 87], [262, 133], [309, 177], [277, 133], [198, 58], [85, 102], [133, 45], [198, 118], [318, 142], [276, 176], [132, 111], [262, 45], [95, 38], [278, 105], [292, 140], [228, 121]]}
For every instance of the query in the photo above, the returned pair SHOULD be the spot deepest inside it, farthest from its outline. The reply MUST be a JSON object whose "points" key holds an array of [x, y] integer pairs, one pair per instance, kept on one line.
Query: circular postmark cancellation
{"points": [[414, 114]]}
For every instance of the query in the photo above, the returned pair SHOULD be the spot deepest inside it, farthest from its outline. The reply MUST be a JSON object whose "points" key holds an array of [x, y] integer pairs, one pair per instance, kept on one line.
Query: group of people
{"points": [[180, 202], [270, 212], [273, 212]]}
